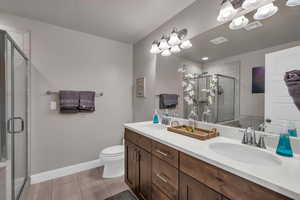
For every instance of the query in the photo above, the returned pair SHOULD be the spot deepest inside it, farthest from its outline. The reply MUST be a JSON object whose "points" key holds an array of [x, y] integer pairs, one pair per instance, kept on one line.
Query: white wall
{"points": [[280, 107], [65, 59], [168, 79]]}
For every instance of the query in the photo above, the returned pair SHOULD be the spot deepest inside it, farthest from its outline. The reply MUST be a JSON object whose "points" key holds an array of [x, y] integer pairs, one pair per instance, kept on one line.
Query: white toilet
{"points": [[113, 160]]}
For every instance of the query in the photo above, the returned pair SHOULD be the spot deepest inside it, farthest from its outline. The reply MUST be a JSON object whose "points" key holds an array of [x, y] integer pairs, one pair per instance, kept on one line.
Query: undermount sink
{"points": [[245, 154]]}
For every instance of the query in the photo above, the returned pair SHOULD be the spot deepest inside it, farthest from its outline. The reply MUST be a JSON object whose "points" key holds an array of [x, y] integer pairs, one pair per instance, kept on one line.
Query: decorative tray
{"points": [[198, 133]]}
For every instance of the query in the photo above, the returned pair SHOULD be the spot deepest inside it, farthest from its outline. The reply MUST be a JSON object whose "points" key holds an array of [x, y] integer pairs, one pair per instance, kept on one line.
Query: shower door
{"points": [[17, 124], [14, 112]]}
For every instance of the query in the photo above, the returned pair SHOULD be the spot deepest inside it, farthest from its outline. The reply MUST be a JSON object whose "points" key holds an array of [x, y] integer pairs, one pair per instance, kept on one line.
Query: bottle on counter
{"points": [[155, 117], [284, 147], [292, 130]]}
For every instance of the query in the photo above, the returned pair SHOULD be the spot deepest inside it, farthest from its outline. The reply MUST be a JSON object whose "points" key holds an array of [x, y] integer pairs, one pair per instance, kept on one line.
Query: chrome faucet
{"points": [[250, 138]]}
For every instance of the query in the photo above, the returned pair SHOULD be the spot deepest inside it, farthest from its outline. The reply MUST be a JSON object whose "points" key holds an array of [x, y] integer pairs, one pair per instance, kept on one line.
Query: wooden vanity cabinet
{"points": [[155, 171], [138, 170]]}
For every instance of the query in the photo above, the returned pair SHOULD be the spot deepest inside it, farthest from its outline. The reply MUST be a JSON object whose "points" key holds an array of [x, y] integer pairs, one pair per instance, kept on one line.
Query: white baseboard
{"points": [[52, 174]]}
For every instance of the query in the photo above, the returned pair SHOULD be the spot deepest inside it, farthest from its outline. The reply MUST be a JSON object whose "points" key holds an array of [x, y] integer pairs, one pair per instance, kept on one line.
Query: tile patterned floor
{"points": [[86, 185]]}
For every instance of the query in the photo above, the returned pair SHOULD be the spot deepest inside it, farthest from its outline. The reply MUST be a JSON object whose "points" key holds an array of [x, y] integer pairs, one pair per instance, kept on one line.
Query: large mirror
{"points": [[236, 77]]}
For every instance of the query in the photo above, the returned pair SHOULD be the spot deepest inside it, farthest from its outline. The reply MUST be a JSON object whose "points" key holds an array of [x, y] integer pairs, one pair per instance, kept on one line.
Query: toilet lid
{"points": [[114, 150]]}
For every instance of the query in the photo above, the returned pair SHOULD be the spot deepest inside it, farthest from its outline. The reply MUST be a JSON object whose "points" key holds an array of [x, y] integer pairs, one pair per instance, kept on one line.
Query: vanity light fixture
{"points": [[227, 11], [292, 3], [174, 39], [166, 52], [163, 45], [173, 44], [239, 23], [175, 49], [186, 44], [265, 12], [248, 4], [204, 58], [154, 48]]}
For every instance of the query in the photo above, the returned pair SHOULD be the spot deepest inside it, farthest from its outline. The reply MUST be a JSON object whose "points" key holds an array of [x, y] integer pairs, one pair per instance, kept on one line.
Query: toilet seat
{"points": [[114, 151]]}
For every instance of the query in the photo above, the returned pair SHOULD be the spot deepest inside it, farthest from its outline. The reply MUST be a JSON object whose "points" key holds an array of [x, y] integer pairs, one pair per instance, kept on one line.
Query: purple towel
{"points": [[86, 101], [292, 80], [69, 101]]}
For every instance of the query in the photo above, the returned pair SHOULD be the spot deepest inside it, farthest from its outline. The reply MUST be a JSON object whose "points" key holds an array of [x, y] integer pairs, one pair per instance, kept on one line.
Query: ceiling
{"points": [[122, 20], [282, 28]]}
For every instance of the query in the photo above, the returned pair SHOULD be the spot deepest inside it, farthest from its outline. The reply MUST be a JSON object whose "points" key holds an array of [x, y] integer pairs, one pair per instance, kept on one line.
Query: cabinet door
{"points": [[190, 189], [131, 167], [144, 188]]}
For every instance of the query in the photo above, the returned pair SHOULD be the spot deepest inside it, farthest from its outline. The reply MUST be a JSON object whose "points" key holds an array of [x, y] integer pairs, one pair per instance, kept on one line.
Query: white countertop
{"points": [[284, 178]]}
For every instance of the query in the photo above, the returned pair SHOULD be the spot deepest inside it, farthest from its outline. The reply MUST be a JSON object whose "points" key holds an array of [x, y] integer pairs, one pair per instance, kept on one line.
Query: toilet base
{"points": [[113, 169]]}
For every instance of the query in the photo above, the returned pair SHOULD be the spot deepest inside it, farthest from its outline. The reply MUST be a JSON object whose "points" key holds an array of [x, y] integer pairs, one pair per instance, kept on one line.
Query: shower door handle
{"points": [[9, 122]]}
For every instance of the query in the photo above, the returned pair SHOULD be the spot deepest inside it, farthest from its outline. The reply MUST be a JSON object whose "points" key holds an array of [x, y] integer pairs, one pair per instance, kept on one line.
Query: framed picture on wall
{"points": [[258, 80], [140, 87]]}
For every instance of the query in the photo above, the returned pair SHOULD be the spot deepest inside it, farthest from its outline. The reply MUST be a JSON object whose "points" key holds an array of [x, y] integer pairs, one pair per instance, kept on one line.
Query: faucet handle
{"points": [[245, 139], [261, 142]]}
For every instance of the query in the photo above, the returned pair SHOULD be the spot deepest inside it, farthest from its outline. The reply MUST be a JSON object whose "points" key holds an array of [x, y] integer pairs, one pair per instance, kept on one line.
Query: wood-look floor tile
{"points": [[65, 179], [89, 178], [115, 185], [41, 191], [95, 192], [68, 191]]}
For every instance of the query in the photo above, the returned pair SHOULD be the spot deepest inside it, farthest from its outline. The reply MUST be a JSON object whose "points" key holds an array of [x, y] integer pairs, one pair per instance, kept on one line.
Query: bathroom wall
{"points": [[66, 59], [197, 18], [250, 104], [168, 79]]}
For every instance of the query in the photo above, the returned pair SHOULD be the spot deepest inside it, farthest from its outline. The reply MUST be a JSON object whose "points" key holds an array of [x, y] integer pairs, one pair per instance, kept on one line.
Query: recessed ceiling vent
{"points": [[219, 40], [253, 25]]}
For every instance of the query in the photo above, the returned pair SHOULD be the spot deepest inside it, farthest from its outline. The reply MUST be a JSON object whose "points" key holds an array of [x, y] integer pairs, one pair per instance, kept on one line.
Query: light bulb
{"points": [[174, 40], [166, 52], [186, 44], [239, 23], [154, 48], [163, 45], [292, 3], [175, 49], [248, 4], [265, 12], [227, 12]]}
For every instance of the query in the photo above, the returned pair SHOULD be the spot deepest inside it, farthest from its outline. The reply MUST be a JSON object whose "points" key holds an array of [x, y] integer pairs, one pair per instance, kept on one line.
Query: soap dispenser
{"points": [[292, 130], [284, 145], [155, 117]]}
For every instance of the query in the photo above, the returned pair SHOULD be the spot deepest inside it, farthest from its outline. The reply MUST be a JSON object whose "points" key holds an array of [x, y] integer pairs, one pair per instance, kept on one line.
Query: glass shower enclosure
{"points": [[222, 108], [14, 73]]}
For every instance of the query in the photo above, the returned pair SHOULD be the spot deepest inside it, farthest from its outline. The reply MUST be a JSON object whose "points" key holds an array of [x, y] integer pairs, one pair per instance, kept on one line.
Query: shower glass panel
{"points": [[222, 107], [13, 115], [19, 122], [226, 98]]}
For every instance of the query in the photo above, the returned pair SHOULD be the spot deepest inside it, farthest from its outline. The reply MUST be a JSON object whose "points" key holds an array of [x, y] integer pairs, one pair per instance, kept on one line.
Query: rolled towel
{"points": [[69, 101], [292, 81]]}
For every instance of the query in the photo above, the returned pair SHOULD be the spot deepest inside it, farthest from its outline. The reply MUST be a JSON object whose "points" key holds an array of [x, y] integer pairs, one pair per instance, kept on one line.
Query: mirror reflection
{"points": [[236, 77]]}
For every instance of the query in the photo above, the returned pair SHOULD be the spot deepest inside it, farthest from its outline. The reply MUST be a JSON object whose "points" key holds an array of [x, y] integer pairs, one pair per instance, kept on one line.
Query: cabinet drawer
{"points": [[236, 188], [165, 153], [139, 140], [157, 194], [131, 136], [200, 171], [165, 177], [230, 185]]}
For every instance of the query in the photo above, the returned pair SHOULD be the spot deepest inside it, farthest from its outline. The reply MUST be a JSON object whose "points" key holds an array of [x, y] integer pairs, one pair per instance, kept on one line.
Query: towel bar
{"points": [[56, 93]]}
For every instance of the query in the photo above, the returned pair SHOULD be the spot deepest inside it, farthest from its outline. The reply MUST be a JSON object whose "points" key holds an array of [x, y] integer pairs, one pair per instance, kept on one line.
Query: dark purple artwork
{"points": [[258, 80]]}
